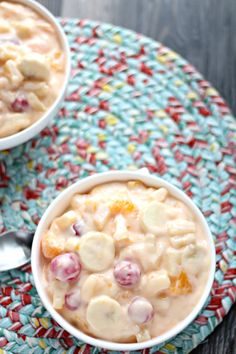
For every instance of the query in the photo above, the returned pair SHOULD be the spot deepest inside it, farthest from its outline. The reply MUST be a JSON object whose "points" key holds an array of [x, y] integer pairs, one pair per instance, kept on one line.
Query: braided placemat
{"points": [[131, 103]]}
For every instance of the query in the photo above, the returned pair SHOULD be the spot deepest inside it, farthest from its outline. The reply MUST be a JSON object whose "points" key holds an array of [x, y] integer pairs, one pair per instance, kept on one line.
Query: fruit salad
{"points": [[125, 262], [32, 66]]}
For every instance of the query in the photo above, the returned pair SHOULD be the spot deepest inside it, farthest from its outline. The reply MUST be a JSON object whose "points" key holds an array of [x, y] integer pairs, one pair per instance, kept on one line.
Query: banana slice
{"points": [[97, 251], [95, 285], [104, 314], [154, 218], [35, 66], [156, 282]]}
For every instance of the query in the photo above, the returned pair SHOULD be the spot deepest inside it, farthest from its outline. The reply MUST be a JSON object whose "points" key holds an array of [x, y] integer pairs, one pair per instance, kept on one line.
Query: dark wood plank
{"points": [[52, 5], [223, 339]]}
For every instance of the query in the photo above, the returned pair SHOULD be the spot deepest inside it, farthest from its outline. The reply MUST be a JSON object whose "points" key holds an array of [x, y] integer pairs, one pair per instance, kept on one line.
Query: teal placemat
{"points": [[131, 103]]}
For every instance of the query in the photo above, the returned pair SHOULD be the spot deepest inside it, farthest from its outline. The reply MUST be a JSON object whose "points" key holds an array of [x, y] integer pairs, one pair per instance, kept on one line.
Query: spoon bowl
{"points": [[15, 249]]}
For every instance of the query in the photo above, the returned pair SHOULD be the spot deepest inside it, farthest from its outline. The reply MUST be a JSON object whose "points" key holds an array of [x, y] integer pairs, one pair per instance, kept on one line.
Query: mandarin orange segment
{"points": [[51, 247], [180, 285], [122, 206]]}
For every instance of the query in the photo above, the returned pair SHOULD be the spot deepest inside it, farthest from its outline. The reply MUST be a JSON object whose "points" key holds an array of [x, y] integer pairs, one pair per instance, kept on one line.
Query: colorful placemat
{"points": [[131, 103]]}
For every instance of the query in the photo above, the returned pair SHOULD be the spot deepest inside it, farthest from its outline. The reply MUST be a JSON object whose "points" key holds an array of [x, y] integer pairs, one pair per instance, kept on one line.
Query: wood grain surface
{"points": [[203, 32]]}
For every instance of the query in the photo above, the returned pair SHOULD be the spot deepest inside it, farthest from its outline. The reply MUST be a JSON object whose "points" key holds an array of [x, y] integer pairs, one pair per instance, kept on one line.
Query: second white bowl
{"points": [[28, 133]]}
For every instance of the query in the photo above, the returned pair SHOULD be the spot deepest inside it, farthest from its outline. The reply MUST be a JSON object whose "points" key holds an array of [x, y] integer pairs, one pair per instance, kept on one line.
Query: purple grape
{"points": [[66, 267], [72, 300], [127, 273], [78, 228], [140, 310], [19, 105]]}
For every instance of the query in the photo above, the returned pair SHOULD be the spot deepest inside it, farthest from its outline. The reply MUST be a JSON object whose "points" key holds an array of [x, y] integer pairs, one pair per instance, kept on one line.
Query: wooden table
{"points": [[202, 31]]}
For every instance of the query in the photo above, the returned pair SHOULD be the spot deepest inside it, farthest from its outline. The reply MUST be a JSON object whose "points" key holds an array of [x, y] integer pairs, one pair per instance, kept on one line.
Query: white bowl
{"points": [[28, 133], [59, 205]]}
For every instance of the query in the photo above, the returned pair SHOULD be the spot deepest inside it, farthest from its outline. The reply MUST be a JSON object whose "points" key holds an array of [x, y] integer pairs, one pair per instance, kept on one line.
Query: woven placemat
{"points": [[131, 103]]}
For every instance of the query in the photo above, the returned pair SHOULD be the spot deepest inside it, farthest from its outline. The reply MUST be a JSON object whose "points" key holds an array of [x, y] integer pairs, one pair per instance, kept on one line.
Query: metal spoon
{"points": [[15, 249]]}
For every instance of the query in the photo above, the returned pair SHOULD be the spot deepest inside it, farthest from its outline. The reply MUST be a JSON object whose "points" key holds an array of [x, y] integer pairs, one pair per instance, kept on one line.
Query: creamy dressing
{"points": [[32, 66], [116, 302]]}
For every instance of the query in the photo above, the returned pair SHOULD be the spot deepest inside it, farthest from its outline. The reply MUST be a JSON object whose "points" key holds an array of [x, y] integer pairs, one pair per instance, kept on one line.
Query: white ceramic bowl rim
{"points": [[62, 201], [27, 133]]}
